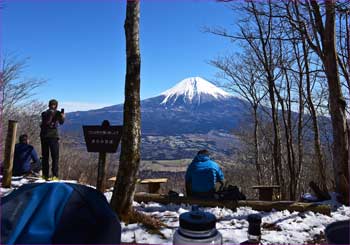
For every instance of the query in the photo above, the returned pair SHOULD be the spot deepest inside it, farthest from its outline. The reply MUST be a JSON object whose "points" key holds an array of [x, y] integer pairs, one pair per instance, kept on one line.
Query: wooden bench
{"points": [[115, 178], [265, 191], [153, 184]]}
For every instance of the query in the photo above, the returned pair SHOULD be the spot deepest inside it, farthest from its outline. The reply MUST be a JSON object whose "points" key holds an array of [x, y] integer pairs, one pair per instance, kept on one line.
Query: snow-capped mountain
{"points": [[192, 106], [195, 91]]}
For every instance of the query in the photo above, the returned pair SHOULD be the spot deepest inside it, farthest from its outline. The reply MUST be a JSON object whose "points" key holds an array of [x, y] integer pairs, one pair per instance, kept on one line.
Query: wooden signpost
{"points": [[9, 153], [102, 139]]}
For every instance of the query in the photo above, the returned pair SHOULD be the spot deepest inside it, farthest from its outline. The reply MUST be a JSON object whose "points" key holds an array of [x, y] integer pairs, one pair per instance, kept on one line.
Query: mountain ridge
{"points": [[179, 127]]}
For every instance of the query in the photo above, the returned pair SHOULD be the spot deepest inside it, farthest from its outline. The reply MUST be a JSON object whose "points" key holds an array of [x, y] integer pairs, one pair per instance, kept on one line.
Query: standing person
{"points": [[202, 175], [24, 154], [49, 138]]}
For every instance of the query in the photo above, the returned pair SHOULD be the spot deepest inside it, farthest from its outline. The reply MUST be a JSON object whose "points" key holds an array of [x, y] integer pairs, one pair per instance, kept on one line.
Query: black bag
{"points": [[231, 193]]}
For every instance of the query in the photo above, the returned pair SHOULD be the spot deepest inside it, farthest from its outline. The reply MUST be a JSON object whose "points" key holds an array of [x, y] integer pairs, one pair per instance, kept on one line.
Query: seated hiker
{"points": [[24, 154], [202, 175]]}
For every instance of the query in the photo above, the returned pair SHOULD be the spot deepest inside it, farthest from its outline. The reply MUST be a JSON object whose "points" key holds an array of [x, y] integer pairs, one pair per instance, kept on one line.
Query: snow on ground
{"points": [[278, 227]]}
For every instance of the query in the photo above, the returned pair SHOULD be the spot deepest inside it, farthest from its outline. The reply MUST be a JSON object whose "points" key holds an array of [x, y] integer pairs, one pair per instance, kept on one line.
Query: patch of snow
{"points": [[17, 183], [194, 89], [278, 227], [108, 195], [5, 191], [289, 227]]}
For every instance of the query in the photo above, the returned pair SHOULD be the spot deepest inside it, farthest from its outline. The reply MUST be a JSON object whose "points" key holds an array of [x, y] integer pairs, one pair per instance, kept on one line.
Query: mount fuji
{"points": [[193, 107], [193, 91]]}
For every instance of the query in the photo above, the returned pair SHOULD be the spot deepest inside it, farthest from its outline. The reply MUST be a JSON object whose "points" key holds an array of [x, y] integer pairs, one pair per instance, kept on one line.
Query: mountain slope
{"points": [[192, 106]]}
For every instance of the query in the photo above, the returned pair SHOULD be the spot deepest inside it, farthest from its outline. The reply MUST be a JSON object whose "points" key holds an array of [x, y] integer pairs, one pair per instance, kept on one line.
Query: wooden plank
{"points": [[147, 181], [265, 186], [256, 205], [114, 178]]}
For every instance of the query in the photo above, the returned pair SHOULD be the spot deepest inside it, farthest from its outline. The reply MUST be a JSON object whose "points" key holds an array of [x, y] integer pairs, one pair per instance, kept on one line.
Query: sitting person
{"points": [[202, 175], [24, 154]]}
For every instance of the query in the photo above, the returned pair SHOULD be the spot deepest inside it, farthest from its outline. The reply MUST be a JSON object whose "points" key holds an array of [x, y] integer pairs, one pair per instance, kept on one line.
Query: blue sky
{"points": [[79, 46]]}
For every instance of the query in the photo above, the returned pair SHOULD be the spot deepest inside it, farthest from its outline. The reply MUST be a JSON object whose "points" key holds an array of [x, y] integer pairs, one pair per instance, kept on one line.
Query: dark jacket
{"points": [[49, 122], [203, 173], [24, 154]]}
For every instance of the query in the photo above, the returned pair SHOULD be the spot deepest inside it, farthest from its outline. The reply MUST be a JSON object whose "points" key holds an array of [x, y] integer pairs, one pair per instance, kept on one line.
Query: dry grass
{"points": [[152, 225]]}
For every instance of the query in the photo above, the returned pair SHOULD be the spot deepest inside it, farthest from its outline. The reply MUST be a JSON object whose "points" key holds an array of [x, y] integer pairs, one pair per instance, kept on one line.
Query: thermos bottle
{"points": [[197, 227], [254, 229]]}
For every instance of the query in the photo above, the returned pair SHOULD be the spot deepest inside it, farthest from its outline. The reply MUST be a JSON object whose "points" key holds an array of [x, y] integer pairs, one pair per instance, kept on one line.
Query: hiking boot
{"points": [[54, 178]]}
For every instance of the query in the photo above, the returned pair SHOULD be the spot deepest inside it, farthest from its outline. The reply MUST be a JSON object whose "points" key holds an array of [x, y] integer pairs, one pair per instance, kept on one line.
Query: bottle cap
{"points": [[197, 220]]}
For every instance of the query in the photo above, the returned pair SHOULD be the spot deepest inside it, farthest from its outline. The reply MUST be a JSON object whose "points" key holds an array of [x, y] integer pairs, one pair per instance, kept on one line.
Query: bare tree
{"points": [[320, 34], [242, 76], [16, 90], [16, 93], [124, 188], [258, 31]]}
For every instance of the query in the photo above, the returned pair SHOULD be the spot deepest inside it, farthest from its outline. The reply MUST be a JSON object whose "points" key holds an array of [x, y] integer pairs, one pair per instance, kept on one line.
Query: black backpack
{"points": [[229, 193]]}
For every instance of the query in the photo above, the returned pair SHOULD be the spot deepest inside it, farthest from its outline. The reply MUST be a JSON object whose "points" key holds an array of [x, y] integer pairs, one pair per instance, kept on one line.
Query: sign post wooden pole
{"points": [[102, 139], [9, 153], [101, 174]]}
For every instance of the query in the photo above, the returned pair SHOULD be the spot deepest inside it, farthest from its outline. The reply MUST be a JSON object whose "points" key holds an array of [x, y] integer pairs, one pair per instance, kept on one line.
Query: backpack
{"points": [[229, 193], [58, 213]]}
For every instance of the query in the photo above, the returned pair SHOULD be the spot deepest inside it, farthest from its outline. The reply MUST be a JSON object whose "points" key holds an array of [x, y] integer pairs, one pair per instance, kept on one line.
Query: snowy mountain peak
{"points": [[194, 90]]}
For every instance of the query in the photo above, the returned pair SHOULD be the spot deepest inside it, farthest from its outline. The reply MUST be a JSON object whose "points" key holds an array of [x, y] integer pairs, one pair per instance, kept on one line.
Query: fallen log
{"points": [[256, 205]]}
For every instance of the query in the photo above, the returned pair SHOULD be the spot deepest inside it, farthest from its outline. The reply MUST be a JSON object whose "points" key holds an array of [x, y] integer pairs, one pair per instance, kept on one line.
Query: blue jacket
{"points": [[203, 173], [24, 153]]}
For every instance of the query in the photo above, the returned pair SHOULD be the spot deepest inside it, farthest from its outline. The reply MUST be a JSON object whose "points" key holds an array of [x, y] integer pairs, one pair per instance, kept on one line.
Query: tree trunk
{"points": [[337, 105], [124, 187], [288, 134], [276, 140], [322, 180], [317, 142], [300, 120], [256, 145], [348, 44]]}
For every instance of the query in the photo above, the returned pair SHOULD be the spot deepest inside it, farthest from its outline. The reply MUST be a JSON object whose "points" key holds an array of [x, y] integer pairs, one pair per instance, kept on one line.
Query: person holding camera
{"points": [[49, 138]]}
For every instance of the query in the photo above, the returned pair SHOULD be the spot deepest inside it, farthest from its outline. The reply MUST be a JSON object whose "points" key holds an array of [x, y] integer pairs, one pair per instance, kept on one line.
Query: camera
{"points": [[62, 110]]}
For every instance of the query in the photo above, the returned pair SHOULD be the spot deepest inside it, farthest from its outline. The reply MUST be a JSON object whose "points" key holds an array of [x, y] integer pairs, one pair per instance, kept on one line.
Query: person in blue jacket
{"points": [[202, 175], [25, 159]]}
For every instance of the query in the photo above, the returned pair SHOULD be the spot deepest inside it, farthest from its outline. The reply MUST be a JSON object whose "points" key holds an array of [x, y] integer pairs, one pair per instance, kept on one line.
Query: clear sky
{"points": [[79, 46]]}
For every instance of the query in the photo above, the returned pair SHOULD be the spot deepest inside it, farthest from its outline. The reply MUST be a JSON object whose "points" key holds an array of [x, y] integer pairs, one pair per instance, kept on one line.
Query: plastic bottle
{"points": [[197, 227]]}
